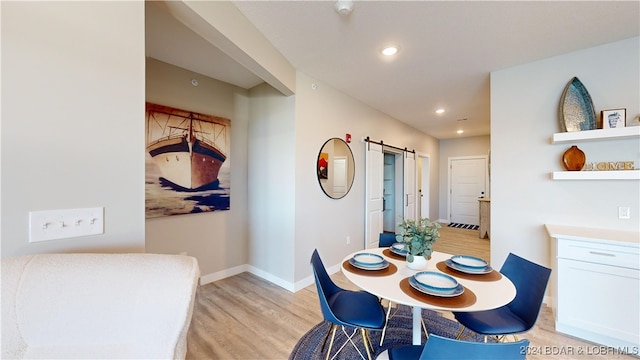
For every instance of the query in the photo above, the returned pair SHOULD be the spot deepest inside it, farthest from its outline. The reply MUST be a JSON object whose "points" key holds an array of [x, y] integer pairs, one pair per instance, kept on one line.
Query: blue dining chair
{"points": [[386, 239], [521, 314], [345, 308], [438, 347]]}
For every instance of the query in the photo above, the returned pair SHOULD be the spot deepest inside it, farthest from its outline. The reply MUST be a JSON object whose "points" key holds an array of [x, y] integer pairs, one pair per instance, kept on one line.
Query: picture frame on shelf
{"points": [[614, 118]]}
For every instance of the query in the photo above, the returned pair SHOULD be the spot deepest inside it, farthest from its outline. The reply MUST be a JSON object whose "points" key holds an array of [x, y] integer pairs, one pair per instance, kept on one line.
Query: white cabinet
{"points": [[596, 284], [597, 135]]}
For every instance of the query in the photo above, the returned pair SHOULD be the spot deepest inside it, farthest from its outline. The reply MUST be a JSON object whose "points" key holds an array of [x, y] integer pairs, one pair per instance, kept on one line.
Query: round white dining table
{"points": [[489, 294]]}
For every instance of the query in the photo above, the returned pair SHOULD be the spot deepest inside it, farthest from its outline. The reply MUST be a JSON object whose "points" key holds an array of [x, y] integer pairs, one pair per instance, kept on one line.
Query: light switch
{"points": [[66, 223]]}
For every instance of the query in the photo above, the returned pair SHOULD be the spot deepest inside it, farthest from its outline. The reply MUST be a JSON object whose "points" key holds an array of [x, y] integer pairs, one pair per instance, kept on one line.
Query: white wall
{"points": [[271, 186], [470, 146], [322, 222], [218, 239], [524, 115], [72, 100]]}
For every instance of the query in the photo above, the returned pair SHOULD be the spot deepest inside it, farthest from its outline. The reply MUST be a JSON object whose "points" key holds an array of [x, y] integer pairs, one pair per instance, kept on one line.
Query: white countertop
{"points": [[623, 238]]}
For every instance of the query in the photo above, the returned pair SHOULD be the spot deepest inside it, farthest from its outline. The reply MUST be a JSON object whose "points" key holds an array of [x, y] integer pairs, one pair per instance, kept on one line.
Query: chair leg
{"points": [[366, 342], [462, 327], [424, 328], [324, 343], [350, 340], [335, 327], [386, 322]]}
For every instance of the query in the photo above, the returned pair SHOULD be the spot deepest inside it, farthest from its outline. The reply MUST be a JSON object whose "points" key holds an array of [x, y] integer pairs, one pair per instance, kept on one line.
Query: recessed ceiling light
{"points": [[440, 111], [390, 50], [460, 131]]}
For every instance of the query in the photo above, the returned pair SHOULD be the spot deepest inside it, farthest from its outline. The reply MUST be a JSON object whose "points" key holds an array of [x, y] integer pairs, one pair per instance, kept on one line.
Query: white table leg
{"points": [[417, 328]]}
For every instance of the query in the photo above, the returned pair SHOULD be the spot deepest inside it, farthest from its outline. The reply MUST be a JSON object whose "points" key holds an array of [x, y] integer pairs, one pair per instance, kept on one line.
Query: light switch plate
{"points": [[66, 223]]}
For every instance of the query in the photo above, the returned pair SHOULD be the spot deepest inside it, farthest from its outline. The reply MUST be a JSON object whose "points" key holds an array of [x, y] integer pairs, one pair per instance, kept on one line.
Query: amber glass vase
{"points": [[573, 159]]}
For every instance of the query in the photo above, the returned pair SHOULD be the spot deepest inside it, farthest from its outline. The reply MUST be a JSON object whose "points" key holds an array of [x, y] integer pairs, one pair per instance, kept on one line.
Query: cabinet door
{"points": [[601, 299]]}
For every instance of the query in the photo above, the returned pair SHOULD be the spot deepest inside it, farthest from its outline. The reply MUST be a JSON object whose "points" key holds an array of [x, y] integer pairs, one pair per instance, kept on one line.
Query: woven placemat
{"points": [[467, 298], [391, 269], [391, 254], [492, 276]]}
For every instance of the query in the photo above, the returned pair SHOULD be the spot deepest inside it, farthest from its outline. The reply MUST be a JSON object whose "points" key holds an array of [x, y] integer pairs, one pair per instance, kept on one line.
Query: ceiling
{"points": [[447, 49]]}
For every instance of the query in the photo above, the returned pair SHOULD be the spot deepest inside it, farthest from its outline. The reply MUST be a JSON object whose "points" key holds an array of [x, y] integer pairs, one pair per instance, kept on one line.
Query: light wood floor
{"points": [[246, 317]]}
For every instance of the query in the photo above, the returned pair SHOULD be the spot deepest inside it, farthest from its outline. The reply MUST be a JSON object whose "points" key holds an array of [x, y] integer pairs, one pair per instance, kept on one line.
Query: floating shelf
{"points": [[597, 175], [596, 135]]}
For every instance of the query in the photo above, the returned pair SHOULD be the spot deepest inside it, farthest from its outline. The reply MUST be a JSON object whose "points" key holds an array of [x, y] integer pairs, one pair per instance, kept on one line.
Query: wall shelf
{"points": [[596, 135], [597, 175]]}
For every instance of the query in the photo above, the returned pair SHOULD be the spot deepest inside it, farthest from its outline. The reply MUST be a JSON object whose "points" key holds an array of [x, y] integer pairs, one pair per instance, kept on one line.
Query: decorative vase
{"points": [[419, 263], [573, 159]]}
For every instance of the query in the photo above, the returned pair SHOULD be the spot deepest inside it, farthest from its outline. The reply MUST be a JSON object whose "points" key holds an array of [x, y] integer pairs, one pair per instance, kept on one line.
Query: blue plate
{"points": [[383, 265], [398, 249], [368, 259], [416, 285], [436, 281], [467, 270], [470, 262]]}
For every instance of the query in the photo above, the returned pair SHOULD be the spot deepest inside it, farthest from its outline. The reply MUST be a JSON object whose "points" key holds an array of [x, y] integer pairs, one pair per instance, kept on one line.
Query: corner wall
{"points": [[271, 187], [524, 116]]}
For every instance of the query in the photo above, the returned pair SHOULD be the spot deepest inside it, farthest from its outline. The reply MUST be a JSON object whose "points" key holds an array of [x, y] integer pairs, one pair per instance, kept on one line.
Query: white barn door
{"points": [[374, 159]]}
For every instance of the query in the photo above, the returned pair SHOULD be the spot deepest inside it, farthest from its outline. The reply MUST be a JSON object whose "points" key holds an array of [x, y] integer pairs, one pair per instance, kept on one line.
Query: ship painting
{"points": [[186, 151]]}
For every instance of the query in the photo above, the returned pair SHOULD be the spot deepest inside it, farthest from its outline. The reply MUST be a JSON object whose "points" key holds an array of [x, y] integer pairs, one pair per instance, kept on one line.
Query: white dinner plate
{"points": [[398, 249], [368, 259], [381, 266], [466, 270], [469, 261], [416, 285], [436, 281]]}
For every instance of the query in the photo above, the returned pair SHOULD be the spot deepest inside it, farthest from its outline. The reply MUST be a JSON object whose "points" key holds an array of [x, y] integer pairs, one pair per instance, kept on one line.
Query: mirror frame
{"points": [[350, 174]]}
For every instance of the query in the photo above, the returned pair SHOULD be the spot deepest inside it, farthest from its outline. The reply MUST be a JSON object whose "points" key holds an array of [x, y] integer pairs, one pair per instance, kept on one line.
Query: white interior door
{"points": [[374, 162], [409, 185], [339, 176], [468, 179]]}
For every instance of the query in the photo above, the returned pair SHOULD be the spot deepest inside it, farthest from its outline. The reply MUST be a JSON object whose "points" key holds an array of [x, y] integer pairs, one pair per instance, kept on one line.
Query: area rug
{"points": [[398, 334], [464, 226]]}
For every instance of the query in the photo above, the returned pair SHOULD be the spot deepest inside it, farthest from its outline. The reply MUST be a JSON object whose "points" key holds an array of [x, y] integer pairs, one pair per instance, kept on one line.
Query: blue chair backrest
{"points": [[325, 286], [386, 239], [530, 280], [438, 347]]}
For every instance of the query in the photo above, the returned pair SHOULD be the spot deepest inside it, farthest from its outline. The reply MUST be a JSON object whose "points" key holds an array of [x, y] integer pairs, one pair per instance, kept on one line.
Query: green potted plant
{"points": [[418, 236]]}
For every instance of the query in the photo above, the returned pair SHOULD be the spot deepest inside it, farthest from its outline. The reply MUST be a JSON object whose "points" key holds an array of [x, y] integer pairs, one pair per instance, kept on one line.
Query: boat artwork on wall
{"points": [[187, 165]]}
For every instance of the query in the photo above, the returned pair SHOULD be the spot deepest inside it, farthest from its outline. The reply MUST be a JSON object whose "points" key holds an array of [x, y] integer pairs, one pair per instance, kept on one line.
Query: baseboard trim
{"points": [[287, 285], [219, 275]]}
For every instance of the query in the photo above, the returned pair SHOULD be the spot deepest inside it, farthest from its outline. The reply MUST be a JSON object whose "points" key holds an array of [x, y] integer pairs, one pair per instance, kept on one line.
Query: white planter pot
{"points": [[419, 263]]}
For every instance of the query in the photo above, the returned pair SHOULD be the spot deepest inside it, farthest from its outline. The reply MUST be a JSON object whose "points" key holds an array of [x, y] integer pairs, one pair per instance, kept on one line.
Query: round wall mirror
{"points": [[336, 168]]}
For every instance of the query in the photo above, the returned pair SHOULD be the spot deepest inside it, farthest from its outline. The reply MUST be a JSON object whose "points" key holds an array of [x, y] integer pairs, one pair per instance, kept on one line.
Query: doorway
{"points": [[467, 182], [392, 190]]}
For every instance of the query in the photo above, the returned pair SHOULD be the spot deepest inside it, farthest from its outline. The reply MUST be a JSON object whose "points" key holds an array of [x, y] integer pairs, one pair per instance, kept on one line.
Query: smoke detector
{"points": [[344, 7]]}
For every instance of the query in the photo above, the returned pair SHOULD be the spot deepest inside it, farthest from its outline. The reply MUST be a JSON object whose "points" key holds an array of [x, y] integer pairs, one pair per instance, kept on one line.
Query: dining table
{"points": [[485, 291]]}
